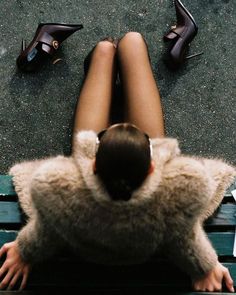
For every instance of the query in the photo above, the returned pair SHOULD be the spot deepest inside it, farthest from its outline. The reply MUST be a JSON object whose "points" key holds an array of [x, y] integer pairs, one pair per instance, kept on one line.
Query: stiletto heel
{"points": [[47, 40], [180, 36], [23, 45], [193, 55]]}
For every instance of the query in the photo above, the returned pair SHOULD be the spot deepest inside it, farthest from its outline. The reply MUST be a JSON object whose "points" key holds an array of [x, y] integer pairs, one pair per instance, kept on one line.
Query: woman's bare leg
{"points": [[143, 103], [93, 108]]}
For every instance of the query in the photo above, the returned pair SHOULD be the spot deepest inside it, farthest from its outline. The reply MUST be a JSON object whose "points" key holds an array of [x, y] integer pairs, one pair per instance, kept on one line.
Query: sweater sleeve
{"points": [[22, 175], [222, 176], [164, 149], [40, 238], [187, 188], [193, 188], [52, 187], [193, 252], [37, 242]]}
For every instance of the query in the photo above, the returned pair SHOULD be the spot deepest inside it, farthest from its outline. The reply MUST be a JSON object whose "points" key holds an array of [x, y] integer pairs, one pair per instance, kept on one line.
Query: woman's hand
{"points": [[13, 267], [212, 281]]}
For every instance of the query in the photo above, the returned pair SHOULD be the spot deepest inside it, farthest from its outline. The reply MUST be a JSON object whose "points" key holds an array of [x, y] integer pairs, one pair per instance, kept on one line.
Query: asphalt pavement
{"points": [[199, 100]]}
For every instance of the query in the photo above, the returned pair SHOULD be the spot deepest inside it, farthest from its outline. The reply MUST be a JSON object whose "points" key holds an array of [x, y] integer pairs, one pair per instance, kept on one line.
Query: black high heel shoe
{"points": [[180, 36], [47, 39]]}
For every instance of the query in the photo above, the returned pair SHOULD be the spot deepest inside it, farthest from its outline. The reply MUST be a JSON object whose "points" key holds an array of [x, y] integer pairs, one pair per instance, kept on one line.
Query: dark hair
{"points": [[123, 160]]}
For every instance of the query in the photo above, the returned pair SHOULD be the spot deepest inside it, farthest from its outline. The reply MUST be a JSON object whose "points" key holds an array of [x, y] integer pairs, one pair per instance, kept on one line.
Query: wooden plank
{"points": [[174, 292], [9, 213], [92, 276], [223, 242], [225, 216], [231, 188], [117, 291], [232, 269], [86, 275], [6, 186], [7, 236]]}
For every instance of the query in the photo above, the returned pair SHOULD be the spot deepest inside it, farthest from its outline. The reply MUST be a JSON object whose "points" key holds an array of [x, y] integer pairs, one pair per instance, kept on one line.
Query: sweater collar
{"points": [[163, 150]]}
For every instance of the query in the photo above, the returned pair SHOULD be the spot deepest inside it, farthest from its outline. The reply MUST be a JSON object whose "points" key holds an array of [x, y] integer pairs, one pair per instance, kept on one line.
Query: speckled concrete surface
{"points": [[199, 100]]}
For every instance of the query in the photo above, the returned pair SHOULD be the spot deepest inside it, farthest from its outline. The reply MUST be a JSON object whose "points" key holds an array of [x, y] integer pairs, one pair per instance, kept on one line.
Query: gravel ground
{"points": [[199, 100]]}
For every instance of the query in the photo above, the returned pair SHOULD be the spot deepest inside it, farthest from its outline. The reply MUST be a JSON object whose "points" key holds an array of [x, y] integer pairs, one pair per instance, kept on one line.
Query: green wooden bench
{"points": [[159, 276]]}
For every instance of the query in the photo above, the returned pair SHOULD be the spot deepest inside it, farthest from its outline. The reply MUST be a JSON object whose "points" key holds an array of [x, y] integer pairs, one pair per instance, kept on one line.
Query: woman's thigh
{"points": [[143, 102], [93, 107]]}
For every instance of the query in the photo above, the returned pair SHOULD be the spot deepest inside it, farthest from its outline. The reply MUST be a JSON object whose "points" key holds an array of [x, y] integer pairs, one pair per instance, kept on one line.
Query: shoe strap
{"points": [[170, 36], [179, 30], [175, 32], [47, 39]]}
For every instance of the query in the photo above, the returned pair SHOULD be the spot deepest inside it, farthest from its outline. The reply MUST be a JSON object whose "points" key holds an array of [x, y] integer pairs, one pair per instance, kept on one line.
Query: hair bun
{"points": [[120, 189]]}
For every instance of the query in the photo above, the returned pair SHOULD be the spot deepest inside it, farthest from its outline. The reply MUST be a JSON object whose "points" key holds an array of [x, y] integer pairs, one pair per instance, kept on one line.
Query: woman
{"points": [[120, 194]]}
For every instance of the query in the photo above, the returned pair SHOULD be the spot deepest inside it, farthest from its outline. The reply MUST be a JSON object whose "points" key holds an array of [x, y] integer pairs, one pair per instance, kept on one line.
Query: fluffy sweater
{"points": [[67, 206]]}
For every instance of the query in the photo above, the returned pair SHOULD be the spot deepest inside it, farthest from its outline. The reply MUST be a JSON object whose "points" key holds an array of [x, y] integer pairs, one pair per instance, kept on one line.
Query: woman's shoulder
{"points": [[55, 180], [185, 170], [85, 144], [165, 149], [186, 184], [54, 171]]}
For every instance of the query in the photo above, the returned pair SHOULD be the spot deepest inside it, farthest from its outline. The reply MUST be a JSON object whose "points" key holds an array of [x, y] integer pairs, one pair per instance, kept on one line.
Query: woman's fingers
{"points": [[228, 280], [13, 267], [3, 269], [24, 280], [3, 249], [212, 281], [12, 276], [14, 280], [4, 283]]}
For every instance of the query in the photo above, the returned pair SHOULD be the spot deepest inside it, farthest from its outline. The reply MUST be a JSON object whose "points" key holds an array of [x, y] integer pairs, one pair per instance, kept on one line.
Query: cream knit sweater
{"points": [[67, 206]]}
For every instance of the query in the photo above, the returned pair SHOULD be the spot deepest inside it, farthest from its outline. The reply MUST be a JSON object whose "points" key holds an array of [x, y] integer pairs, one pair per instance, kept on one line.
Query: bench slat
{"points": [[223, 242], [7, 236], [89, 276], [231, 188], [225, 216], [6, 186], [9, 213]]}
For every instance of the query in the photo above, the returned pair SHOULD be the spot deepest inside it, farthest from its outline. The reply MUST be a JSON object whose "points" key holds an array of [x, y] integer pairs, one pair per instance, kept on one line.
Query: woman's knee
{"points": [[132, 38], [104, 49]]}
